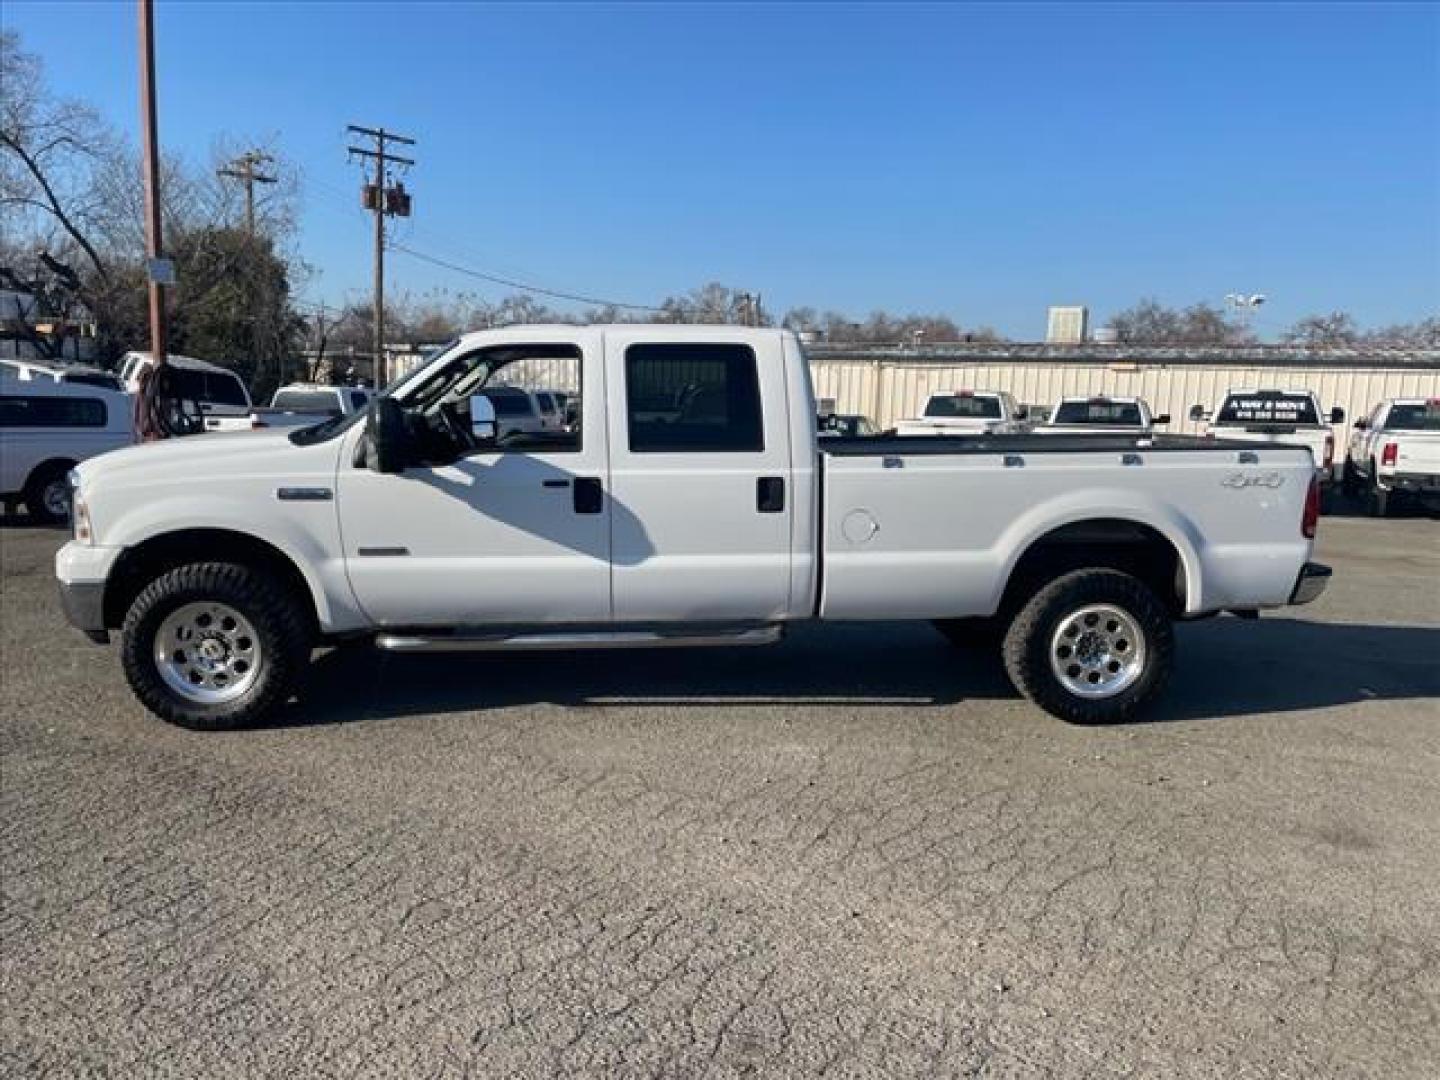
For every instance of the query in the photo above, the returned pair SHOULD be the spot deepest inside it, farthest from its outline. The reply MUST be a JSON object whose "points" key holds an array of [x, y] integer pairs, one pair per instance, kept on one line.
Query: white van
{"points": [[219, 392], [46, 429]]}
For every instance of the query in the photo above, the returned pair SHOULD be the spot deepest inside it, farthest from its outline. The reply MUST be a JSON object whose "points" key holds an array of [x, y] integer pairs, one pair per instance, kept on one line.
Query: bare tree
{"points": [[1424, 334], [1336, 328], [1151, 323]]}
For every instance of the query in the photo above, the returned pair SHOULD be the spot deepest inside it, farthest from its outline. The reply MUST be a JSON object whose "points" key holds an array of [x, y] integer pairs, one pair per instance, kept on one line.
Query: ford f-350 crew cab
{"points": [[691, 504]]}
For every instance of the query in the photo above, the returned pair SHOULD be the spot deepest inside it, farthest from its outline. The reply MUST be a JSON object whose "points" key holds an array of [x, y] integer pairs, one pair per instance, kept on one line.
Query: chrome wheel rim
{"points": [[208, 653], [55, 497], [1097, 651]]}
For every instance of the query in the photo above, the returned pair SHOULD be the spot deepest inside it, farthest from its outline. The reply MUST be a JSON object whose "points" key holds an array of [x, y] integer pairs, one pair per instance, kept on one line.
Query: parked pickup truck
{"points": [[693, 505], [302, 404], [967, 412], [1395, 450], [1286, 417], [1101, 416]]}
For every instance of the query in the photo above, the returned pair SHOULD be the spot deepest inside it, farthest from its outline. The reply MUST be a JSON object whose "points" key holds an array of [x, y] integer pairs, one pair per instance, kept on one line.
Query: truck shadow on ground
{"points": [[1225, 668]]}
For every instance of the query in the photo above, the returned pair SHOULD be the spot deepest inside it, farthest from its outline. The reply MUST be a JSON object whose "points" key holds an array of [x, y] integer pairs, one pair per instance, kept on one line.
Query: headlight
{"points": [[80, 527]]}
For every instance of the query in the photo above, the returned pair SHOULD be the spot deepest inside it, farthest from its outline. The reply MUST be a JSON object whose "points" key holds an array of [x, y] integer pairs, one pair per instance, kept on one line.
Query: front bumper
{"points": [[84, 605], [1310, 583]]}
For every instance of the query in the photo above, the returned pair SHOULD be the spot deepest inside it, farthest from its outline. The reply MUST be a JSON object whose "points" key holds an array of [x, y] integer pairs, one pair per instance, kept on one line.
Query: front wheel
{"points": [[214, 646], [47, 494], [1091, 647]]}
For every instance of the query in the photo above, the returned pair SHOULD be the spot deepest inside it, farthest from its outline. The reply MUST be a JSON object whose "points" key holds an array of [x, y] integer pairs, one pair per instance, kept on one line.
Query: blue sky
{"points": [[981, 161]]}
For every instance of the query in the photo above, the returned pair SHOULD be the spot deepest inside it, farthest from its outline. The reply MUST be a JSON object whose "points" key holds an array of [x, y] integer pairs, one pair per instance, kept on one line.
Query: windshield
{"points": [[1268, 407], [1414, 417], [1113, 413], [986, 407]]}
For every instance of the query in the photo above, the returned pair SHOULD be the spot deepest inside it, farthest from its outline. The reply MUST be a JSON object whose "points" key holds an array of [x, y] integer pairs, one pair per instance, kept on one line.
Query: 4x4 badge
{"points": [[1248, 480]]}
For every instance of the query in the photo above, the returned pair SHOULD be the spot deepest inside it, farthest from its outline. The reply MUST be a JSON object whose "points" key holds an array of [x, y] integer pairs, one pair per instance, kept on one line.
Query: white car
{"points": [[46, 429], [81, 374], [1101, 416], [967, 412], [694, 505], [1283, 417], [218, 392], [1395, 450], [302, 404]]}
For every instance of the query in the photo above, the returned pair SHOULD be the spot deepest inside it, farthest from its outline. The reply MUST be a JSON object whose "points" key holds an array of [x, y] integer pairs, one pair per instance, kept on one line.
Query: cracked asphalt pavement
{"points": [[852, 854]]}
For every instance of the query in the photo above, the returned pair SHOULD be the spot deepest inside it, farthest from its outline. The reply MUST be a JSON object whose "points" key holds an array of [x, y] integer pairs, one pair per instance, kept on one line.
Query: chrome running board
{"points": [[579, 639]]}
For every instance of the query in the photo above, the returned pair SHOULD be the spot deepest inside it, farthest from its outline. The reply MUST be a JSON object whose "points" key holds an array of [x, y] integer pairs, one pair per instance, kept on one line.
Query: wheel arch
{"points": [[141, 563], [1141, 548]]}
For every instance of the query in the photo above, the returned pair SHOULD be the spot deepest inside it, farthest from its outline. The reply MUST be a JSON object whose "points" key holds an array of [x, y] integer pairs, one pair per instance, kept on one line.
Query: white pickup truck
{"points": [[1396, 449], [967, 412], [691, 505], [1284, 417], [302, 404]]}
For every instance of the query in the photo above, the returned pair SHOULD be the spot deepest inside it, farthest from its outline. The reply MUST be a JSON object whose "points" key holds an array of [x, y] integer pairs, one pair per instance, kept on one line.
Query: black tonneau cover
{"points": [[1099, 443]]}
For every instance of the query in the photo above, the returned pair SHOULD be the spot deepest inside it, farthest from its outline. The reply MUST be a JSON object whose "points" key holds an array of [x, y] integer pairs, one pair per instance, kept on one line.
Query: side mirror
{"points": [[388, 437], [1022, 412], [482, 418], [1163, 418], [1361, 424], [1337, 415], [1197, 413]]}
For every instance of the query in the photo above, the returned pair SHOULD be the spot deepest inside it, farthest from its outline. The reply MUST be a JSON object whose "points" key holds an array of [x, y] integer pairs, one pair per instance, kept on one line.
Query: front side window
{"points": [[693, 398], [46, 412], [226, 390]]}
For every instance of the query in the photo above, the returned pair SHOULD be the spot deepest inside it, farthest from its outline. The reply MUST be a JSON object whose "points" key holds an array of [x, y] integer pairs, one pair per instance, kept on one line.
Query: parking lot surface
{"points": [[853, 854]]}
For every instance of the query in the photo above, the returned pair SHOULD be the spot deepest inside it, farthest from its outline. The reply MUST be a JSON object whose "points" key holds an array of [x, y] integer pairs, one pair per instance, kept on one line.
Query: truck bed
{"points": [[931, 526]]}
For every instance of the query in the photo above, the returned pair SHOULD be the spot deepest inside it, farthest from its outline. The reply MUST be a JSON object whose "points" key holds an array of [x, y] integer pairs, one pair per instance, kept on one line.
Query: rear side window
{"points": [[1268, 407], [1097, 412], [35, 412], [964, 405], [226, 390], [695, 397]]}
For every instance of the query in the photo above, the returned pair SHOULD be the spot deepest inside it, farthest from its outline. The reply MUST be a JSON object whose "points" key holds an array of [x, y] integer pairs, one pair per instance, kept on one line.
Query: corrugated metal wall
{"points": [[888, 391]]}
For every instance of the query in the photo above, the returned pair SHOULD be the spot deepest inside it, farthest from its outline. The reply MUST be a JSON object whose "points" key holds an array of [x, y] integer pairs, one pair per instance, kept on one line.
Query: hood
{"points": [[196, 458]]}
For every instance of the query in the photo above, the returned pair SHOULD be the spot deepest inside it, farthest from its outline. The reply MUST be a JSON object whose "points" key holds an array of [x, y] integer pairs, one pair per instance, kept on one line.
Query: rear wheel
{"points": [[1377, 499], [1091, 647], [1349, 482], [47, 493], [214, 646]]}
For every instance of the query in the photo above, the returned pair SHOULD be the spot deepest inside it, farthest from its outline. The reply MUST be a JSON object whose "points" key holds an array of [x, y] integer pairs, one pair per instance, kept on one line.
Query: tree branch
{"points": [[54, 202]]}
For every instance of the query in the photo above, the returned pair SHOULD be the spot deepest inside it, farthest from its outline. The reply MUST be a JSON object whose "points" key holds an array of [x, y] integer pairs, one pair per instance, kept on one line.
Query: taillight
{"points": [[1390, 454], [1329, 450], [1311, 518]]}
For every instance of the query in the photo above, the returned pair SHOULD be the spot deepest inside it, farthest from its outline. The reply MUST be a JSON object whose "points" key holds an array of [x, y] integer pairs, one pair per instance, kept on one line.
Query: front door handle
{"points": [[770, 494], [589, 495]]}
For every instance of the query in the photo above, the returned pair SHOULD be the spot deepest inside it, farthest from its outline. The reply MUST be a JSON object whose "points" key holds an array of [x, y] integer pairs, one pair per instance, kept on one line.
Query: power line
{"points": [[522, 286]]}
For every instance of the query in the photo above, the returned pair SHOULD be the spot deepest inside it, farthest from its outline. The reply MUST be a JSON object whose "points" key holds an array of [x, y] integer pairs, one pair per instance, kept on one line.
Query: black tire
{"points": [[978, 632], [1349, 482], [281, 625], [39, 491], [1030, 635], [1377, 499]]}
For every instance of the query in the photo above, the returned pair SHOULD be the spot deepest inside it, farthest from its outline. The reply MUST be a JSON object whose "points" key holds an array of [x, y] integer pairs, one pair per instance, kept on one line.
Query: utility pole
{"points": [[153, 245], [245, 169], [384, 200]]}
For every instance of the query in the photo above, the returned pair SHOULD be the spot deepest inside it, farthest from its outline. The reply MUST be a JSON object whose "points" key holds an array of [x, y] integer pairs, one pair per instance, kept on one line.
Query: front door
{"points": [[700, 476], [515, 535]]}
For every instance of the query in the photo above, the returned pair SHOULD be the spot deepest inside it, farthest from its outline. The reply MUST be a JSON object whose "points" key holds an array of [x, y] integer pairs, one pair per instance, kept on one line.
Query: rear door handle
{"points": [[589, 495], [770, 494]]}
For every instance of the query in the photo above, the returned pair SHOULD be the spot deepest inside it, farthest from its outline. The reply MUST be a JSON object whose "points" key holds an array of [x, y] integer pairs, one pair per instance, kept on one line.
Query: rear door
{"points": [[700, 475]]}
